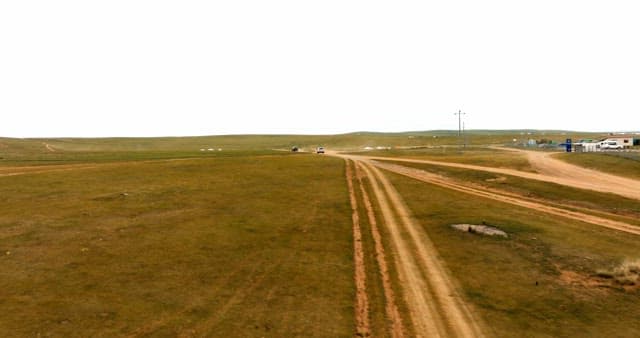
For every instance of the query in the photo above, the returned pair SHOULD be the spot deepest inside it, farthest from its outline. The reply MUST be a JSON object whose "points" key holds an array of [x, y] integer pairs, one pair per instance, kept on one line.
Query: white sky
{"points": [[145, 68]]}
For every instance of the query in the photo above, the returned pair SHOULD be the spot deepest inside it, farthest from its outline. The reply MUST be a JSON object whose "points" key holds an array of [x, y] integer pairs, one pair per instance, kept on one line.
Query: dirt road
{"points": [[545, 164], [16, 171], [49, 147], [362, 302], [550, 170], [514, 200], [42, 169], [436, 309], [396, 329]]}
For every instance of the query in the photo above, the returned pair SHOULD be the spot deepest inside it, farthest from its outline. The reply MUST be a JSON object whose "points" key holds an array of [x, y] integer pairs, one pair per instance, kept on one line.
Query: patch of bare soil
{"points": [[586, 281], [572, 175]]}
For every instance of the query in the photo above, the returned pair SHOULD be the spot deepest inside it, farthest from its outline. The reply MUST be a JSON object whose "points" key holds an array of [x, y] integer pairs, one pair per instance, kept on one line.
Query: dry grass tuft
{"points": [[627, 273]]}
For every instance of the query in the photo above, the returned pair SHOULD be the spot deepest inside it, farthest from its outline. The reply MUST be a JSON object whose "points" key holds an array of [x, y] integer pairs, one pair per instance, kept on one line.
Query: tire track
{"points": [[163, 320], [435, 308], [396, 329], [362, 302]]}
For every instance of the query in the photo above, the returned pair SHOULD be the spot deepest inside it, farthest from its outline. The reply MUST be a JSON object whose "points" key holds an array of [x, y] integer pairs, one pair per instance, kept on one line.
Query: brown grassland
{"points": [[137, 237], [236, 246]]}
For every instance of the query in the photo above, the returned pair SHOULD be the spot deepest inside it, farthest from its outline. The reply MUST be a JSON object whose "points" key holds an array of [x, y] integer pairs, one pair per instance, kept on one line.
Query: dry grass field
{"points": [[243, 245], [163, 237]]}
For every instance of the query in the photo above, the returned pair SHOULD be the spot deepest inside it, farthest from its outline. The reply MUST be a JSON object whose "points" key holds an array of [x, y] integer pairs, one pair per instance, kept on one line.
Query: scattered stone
{"points": [[84, 249], [8, 253], [480, 229]]}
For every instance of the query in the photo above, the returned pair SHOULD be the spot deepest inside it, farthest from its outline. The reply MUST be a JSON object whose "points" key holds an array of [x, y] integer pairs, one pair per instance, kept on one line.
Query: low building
{"points": [[586, 147]]}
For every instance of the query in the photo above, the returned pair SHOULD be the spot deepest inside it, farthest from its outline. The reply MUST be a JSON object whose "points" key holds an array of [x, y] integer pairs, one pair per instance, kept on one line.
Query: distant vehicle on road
{"points": [[295, 149], [610, 145], [320, 150]]}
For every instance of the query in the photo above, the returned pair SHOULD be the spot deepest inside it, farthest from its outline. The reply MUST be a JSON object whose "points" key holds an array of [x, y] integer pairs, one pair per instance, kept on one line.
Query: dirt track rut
{"points": [[435, 307], [396, 328], [362, 302]]}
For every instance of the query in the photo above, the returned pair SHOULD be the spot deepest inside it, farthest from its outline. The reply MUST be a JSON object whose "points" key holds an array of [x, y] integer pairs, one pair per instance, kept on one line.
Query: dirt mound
{"points": [[480, 229]]}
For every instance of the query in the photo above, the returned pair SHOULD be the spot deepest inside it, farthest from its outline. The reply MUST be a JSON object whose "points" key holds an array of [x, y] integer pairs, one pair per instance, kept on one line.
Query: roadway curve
{"points": [[549, 170]]}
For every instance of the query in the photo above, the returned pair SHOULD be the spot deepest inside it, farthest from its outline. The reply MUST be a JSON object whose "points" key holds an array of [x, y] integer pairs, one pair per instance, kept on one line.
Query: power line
{"points": [[460, 113]]}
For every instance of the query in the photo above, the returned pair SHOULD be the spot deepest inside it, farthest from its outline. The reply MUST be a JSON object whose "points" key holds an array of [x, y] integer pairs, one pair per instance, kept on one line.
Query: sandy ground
{"points": [[436, 309], [508, 198], [549, 170]]}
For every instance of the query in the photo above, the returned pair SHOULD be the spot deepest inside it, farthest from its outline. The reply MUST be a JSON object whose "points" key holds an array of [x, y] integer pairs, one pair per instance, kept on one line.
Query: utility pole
{"points": [[460, 113], [464, 136]]}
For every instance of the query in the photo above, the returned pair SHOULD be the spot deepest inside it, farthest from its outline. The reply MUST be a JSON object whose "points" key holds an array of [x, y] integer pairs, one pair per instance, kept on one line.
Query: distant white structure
{"points": [[586, 147], [626, 142], [610, 143]]}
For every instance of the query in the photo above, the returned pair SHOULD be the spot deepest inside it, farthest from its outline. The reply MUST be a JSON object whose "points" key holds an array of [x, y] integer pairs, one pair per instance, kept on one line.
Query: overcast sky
{"points": [[147, 68]]}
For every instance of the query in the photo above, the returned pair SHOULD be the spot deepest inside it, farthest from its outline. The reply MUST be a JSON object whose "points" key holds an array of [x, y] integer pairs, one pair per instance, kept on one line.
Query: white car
{"points": [[611, 145], [320, 150]]}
